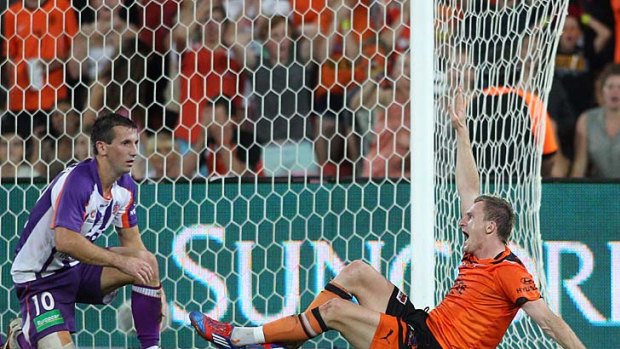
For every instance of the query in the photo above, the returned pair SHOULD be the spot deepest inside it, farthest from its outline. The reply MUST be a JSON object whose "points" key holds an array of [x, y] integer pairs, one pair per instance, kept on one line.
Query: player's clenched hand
{"points": [[137, 268]]}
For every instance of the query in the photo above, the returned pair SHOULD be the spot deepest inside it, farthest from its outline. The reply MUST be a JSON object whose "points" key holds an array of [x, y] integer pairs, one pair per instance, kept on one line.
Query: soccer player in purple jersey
{"points": [[57, 264]]}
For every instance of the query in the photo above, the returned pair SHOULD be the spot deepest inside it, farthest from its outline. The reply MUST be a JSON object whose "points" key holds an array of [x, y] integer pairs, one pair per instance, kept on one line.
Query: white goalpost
{"points": [[422, 168]]}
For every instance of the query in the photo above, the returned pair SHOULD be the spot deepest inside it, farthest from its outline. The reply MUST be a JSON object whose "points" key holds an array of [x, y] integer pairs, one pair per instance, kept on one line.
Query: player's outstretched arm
{"points": [[552, 324], [467, 177]]}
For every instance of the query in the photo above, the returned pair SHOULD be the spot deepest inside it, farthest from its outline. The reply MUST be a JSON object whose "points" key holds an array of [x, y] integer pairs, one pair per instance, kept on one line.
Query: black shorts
{"points": [[420, 336]]}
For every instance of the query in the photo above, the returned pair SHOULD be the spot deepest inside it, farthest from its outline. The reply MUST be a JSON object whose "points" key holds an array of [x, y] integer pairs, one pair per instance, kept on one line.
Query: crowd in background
{"points": [[265, 88]]}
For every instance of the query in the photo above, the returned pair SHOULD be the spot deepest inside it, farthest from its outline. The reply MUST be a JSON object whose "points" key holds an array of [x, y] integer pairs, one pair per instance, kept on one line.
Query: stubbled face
{"points": [[474, 228], [611, 92], [121, 153]]}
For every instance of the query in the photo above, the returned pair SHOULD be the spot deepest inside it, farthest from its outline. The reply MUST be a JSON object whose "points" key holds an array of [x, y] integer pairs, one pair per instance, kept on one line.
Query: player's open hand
{"points": [[458, 111], [138, 268]]}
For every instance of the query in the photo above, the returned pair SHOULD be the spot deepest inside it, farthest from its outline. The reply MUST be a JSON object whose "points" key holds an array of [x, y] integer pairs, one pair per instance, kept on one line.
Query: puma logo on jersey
{"points": [[387, 336]]}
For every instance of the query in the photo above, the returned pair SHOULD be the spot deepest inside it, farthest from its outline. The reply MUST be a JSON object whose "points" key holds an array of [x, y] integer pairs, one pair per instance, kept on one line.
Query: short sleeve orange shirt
{"points": [[45, 33], [483, 301]]}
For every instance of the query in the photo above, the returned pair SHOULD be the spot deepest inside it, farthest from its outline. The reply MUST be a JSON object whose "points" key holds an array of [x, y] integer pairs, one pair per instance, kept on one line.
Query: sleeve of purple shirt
{"points": [[126, 216], [70, 205]]}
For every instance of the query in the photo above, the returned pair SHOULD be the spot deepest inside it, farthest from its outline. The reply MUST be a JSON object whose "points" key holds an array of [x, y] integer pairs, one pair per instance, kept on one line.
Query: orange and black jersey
{"points": [[483, 301]]}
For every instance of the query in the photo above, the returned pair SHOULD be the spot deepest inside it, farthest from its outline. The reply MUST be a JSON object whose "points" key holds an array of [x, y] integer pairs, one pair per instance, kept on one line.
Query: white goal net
{"points": [[274, 139], [501, 56]]}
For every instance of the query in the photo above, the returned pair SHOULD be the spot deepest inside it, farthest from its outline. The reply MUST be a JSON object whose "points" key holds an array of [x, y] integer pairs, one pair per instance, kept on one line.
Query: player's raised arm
{"points": [[467, 177], [552, 324]]}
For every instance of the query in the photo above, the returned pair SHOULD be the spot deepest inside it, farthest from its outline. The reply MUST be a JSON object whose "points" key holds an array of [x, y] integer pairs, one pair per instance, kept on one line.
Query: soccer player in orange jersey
{"points": [[492, 285]]}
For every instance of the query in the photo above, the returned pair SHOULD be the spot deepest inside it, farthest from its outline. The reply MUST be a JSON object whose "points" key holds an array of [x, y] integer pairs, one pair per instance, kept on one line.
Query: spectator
{"points": [[65, 120], [347, 50], [306, 16], [229, 152], [61, 154], [559, 107], [389, 155], [573, 63], [157, 18], [499, 150], [81, 146], [602, 12], [597, 140], [208, 68], [123, 93], [38, 39], [505, 147], [13, 162], [164, 160], [395, 34], [392, 20], [282, 99], [98, 45]]}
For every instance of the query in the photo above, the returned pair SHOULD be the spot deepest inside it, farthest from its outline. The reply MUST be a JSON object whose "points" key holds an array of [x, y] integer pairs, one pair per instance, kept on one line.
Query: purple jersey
{"points": [[74, 200]]}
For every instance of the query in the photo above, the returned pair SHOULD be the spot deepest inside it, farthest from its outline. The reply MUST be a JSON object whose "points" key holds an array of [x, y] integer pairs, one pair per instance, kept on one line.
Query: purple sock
{"points": [[146, 311], [21, 340]]}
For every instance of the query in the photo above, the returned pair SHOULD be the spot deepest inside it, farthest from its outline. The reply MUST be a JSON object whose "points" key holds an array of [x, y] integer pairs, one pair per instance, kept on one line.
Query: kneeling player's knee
{"points": [[57, 340], [150, 259]]}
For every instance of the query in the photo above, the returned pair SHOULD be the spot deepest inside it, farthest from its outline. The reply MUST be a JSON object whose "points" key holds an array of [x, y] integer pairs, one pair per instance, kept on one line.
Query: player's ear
{"points": [[491, 226], [101, 147]]}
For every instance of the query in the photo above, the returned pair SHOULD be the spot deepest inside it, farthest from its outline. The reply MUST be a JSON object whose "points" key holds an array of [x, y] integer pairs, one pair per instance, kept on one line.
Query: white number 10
{"points": [[47, 302]]}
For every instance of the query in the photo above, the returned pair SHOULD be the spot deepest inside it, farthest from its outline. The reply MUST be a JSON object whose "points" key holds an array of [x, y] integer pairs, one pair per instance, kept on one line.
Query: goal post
{"points": [[422, 163]]}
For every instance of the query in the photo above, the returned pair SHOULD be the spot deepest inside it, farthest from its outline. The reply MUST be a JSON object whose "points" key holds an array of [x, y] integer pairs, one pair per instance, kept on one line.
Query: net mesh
{"points": [[303, 99], [500, 56]]}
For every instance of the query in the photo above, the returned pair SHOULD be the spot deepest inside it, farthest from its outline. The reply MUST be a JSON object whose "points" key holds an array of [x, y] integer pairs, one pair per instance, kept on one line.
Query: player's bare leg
{"points": [[356, 323], [359, 322], [369, 287], [58, 340], [146, 299]]}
